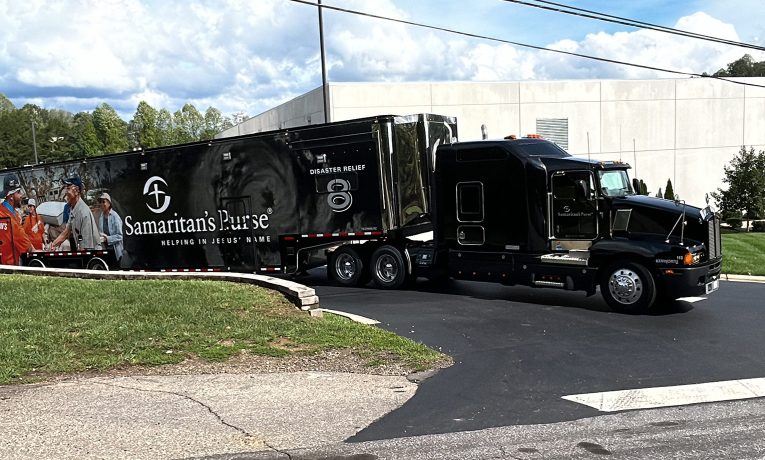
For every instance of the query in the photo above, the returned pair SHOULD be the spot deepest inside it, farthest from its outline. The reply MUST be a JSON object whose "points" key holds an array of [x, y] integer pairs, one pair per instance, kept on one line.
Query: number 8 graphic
{"points": [[339, 199]]}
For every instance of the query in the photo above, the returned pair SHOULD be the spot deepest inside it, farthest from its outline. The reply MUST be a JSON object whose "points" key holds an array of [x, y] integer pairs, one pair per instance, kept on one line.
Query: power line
{"points": [[524, 45], [590, 14]]}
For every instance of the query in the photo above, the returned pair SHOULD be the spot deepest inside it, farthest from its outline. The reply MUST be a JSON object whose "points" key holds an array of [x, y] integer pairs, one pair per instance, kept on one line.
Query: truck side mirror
{"points": [[582, 190]]}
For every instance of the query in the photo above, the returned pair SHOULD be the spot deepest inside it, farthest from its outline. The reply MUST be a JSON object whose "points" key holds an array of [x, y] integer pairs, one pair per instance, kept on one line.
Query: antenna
{"points": [[588, 147], [634, 155]]}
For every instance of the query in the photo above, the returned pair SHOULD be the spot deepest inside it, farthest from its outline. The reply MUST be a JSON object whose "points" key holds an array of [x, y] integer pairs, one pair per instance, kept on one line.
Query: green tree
{"points": [[144, 127], [84, 136], [5, 104], [165, 127], [669, 192], [111, 130], [659, 194], [56, 135], [214, 123], [15, 139], [744, 67], [187, 124], [745, 195], [642, 188]]}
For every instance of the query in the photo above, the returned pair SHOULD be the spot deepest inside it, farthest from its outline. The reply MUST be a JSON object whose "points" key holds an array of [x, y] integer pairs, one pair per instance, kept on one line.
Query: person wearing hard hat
{"points": [[111, 226], [13, 239], [34, 226]]}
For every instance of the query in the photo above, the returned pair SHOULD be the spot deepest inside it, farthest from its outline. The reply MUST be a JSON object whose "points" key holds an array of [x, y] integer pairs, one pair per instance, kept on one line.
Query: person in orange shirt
{"points": [[13, 239], [34, 226]]}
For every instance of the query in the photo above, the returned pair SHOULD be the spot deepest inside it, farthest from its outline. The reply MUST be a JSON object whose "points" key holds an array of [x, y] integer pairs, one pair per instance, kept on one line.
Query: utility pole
{"points": [[324, 87], [34, 141]]}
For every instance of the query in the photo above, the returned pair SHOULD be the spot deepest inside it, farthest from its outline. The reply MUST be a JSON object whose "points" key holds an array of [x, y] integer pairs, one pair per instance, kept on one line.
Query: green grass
{"points": [[744, 253], [53, 326]]}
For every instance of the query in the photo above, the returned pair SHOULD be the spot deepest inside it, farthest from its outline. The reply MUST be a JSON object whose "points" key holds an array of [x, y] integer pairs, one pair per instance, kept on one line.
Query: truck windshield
{"points": [[615, 183]]}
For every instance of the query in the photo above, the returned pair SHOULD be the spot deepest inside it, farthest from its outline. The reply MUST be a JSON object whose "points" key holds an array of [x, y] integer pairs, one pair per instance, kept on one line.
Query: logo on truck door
{"points": [[154, 193]]}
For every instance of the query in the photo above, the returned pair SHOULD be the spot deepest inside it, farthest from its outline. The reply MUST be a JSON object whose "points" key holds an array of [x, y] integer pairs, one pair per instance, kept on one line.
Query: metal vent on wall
{"points": [[554, 130]]}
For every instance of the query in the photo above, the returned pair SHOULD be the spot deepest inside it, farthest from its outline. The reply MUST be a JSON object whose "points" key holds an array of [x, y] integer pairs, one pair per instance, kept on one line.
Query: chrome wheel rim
{"points": [[386, 268], [625, 286], [345, 267]]}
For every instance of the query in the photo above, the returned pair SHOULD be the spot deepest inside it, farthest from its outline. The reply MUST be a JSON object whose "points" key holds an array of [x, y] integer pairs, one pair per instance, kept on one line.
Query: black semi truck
{"points": [[352, 194]]}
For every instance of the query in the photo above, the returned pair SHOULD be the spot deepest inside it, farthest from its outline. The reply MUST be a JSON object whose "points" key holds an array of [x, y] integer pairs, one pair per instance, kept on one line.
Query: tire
{"points": [[628, 287], [97, 263], [36, 263], [346, 267], [387, 268]]}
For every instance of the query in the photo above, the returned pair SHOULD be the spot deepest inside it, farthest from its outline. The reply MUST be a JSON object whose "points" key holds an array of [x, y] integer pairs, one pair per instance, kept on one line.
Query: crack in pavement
{"points": [[209, 409]]}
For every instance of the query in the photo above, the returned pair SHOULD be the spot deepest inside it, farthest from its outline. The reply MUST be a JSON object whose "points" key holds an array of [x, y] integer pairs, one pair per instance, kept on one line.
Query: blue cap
{"points": [[74, 180], [10, 185]]}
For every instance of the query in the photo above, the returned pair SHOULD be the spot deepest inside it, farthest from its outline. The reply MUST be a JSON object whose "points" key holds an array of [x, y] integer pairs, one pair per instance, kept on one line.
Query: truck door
{"points": [[470, 214], [574, 208]]}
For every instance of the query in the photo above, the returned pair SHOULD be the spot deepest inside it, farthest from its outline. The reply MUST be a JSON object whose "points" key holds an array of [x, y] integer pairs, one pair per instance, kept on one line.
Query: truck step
{"points": [[553, 284], [572, 258]]}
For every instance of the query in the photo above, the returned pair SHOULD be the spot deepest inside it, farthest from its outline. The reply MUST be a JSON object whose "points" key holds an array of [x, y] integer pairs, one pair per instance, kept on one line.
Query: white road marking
{"points": [[646, 398], [692, 299], [352, 317]]}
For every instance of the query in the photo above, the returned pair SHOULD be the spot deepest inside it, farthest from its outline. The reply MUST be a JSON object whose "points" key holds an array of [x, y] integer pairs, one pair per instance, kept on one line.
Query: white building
{"points": [[685, 130]]}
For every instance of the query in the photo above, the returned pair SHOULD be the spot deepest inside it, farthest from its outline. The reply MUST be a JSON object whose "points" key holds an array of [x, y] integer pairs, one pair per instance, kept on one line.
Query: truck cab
{"points": [[524, 211]]}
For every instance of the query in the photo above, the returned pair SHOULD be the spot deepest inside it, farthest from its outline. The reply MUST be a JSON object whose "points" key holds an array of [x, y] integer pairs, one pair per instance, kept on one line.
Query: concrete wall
{"points": [[685, 130]]}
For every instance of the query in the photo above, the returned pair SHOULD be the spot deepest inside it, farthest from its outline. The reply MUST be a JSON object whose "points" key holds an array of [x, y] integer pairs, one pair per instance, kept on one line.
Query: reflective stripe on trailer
{"points": [[341, 234], [271, 269], [71, 253], [188, 270]]}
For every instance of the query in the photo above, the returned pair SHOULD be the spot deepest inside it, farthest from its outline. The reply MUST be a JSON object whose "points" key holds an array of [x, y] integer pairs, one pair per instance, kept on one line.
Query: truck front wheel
{"points": [[388, 268], [628, 287], [346, 267]]}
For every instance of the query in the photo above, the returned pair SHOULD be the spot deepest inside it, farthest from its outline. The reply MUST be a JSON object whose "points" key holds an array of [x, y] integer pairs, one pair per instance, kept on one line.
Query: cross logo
{"points": [[151, 189]]}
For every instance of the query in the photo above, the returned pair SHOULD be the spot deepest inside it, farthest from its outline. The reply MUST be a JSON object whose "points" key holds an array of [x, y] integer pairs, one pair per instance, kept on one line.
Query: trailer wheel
{"points": [[388, 268], [97, 263], [346, 267], [628, 287], [37, 263]]}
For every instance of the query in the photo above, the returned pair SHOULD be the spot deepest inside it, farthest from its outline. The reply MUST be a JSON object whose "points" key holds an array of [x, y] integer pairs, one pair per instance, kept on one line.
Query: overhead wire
{"points": [[590, 14], [524, 45]]}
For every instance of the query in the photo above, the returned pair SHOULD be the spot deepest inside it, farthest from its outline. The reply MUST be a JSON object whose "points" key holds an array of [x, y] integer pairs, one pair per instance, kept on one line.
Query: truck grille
{"points": [[715, 244]]}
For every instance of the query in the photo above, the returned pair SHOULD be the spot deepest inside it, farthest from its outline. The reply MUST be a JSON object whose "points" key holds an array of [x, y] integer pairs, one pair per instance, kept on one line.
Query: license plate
{"points": [[713, 286]]}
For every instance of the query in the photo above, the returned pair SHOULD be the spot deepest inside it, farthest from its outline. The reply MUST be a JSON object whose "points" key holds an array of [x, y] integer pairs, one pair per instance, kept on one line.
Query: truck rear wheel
{"points": [[387, 267], [628, 287], [346, 267]]}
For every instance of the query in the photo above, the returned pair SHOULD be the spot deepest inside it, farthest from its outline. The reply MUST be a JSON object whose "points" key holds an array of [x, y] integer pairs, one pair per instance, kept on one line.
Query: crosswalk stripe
{"points": [[646, 398]]}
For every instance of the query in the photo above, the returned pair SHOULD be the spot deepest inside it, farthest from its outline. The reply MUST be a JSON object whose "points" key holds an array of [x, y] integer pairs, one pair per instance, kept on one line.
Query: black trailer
{"points": [[351, 195], [268, 203]]}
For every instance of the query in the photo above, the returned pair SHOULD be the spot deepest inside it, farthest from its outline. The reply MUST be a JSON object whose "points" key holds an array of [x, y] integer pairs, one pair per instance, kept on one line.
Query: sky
{"points": [[247, 56]]}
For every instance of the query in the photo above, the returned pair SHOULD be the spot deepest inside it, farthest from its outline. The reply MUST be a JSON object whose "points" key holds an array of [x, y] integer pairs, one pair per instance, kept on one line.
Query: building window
{"points": [[554, 130]]}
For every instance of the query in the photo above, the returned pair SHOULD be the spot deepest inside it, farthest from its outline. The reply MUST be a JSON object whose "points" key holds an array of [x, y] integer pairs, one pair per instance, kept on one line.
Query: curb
{"points": [[743, 278], [303, 297]]}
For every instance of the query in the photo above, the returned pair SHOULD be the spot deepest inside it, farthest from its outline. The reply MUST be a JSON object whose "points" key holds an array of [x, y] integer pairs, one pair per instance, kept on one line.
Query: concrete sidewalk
{"points": [[163, 417]]}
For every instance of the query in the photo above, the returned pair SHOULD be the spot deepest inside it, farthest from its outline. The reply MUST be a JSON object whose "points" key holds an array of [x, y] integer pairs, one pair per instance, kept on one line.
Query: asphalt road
{"points": [[518, 350]]}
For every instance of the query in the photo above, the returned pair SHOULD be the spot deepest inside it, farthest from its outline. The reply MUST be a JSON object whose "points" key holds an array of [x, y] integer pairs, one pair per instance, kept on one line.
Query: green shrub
{"points": [[758, 226], [734, 222]]}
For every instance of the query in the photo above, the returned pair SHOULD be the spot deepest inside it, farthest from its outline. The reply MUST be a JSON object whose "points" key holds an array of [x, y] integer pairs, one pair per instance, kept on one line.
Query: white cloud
{"points": [[251, 55]]}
